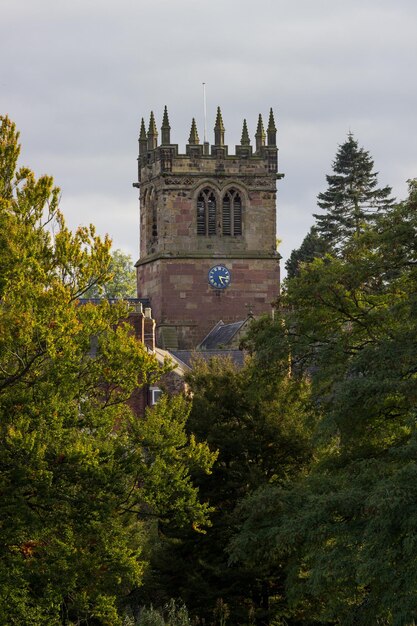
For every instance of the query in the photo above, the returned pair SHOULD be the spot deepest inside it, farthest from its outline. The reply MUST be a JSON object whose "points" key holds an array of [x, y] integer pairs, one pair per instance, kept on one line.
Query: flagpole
{"points": [[205, 112]]}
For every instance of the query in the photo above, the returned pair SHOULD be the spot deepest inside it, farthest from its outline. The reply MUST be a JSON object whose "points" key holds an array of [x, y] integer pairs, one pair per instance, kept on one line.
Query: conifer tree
{"points": [[352, 197], [312, 246]]}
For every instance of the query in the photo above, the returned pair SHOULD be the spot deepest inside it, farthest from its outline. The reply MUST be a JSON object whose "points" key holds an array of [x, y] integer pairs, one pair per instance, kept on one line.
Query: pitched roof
{"points": [[221, 335], [187, 356]]}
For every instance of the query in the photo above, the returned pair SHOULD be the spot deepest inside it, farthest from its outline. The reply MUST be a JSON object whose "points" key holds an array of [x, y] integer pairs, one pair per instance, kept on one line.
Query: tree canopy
{"points": [[256, 425], [81, 478], [348, 528], [305, 458], [352, 197], [121, 281], [351, 201]]}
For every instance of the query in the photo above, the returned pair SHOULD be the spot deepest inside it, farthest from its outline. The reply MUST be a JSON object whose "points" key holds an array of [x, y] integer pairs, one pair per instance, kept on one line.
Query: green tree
{"points": [[81, 478], [312, 246], [352, 197], [348, 529], [121, 282], [256, 425]]}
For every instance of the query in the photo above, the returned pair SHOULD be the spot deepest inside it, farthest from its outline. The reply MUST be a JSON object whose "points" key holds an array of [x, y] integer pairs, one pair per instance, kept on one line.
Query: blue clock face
{"points": [[219, 277]]}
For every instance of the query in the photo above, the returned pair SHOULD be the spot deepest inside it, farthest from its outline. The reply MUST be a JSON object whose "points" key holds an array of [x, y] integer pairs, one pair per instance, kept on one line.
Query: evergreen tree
{"points": [[352, 197], [312, 246]]}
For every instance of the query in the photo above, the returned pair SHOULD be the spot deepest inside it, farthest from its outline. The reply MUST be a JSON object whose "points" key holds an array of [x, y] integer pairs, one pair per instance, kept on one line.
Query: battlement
{"points": [[163, 159]]}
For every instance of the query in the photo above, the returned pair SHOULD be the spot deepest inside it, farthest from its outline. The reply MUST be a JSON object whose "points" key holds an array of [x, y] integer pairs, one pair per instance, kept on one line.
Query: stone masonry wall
{"points": [[174, 260], [181, 296]]}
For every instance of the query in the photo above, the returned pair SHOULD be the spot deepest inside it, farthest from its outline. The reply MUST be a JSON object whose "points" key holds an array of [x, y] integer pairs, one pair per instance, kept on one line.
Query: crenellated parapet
{"points": [[156, 159]]}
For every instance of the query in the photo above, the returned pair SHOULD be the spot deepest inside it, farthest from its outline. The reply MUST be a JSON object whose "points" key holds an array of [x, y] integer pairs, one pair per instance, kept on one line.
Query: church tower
{"points": [[207, 229]]}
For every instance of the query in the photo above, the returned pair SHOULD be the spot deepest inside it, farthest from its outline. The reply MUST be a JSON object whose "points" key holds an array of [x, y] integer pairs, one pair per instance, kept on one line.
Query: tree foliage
{"points": [[352, 197], [121, 281], [348, 529], [258, 430], [350, 203], [80, 475], [313, 246]]}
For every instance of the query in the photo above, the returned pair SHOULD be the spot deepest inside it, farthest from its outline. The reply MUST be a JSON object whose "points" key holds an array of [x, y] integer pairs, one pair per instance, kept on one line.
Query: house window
{"points": [[154, 394], [206, 213], [232, 214]]}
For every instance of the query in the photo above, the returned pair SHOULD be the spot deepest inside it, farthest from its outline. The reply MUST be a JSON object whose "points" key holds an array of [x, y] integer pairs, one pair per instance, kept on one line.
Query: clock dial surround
{"points": [[219, 277]]}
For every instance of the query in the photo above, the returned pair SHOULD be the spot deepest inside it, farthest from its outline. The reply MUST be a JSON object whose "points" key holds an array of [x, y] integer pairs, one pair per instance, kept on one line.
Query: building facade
{"points": [[207, 229]]}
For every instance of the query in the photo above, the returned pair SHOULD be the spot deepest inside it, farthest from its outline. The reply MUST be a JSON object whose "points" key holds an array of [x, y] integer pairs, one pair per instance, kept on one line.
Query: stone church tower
{"points": [[207, 229]]}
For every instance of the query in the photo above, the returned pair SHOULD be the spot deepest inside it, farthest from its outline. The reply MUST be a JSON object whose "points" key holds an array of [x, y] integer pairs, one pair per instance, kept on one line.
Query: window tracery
{"points": [[206, 213], [232, 213]]}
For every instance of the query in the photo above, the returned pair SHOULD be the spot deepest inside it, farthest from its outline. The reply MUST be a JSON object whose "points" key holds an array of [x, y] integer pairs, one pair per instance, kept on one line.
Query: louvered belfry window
{"points": [[232, 213], [206, 213]]}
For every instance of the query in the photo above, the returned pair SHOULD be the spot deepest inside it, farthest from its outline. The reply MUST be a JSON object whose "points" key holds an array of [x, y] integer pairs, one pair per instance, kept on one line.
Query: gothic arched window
{"points": [[232, 213], [206, 213], [154, 217], [151, 218]]}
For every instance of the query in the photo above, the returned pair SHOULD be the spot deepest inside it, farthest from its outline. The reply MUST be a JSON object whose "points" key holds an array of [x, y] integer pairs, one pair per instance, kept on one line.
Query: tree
{"points": [[352, 197], [348, 529], [257, 427], [121, 282], [81, 478], [312, 246]]}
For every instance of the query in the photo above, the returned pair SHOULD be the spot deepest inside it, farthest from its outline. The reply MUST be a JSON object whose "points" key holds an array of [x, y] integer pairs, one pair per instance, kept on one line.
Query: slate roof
{"points": [[187, 356], [220, 335]]}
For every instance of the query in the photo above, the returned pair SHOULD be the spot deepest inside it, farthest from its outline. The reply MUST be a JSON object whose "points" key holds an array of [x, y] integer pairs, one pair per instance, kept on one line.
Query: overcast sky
{"points": [[78, 75]]}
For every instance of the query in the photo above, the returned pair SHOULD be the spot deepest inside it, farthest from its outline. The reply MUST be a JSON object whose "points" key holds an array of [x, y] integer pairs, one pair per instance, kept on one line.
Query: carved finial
{"points": [[152, 125], [245, 141], [165, 129], [272, 131], [165, 120], [152, 133], [219, 129], [143, 139], [142, 134], [193, 139], [219, 120], [260, 134]]}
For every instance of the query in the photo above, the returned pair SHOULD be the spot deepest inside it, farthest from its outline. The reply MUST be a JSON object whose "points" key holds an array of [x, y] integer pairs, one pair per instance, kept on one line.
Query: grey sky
{"points": [[77, 76]]}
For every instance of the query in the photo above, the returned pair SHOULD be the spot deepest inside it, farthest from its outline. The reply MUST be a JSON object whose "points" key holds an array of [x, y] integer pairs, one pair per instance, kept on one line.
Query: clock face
{"points": [[219, 277]]}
